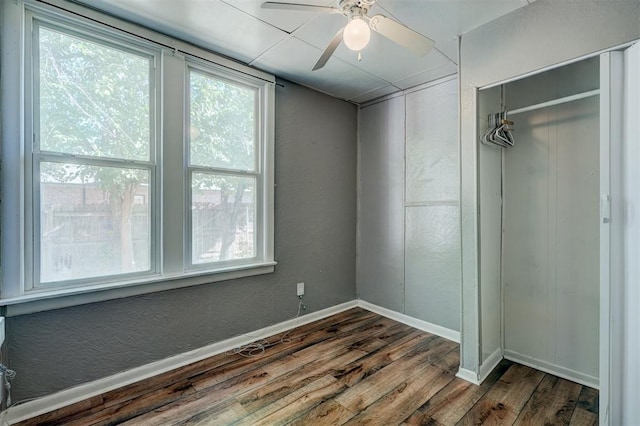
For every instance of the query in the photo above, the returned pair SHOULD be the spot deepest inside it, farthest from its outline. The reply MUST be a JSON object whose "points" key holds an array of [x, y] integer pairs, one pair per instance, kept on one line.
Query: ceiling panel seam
{"points": [[255, 17], [347, 63]]}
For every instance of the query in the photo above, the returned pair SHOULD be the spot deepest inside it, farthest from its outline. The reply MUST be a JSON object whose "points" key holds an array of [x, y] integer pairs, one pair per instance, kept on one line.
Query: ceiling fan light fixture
{"points": [[356, 34]]}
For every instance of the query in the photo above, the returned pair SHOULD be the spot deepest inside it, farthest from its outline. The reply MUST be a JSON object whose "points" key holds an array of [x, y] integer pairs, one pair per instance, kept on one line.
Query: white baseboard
{"points": [[468, 375], [556, 370], [492, 362], [81, 392], [410, 321], [485, 369]]}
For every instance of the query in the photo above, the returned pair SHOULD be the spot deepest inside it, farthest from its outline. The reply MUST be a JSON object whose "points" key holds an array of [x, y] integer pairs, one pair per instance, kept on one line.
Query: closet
{"points": [[540, 222]]}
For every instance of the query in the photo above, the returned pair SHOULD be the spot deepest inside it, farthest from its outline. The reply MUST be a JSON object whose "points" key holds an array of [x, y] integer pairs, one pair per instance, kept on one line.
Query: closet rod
{"points": [[555, 102]]}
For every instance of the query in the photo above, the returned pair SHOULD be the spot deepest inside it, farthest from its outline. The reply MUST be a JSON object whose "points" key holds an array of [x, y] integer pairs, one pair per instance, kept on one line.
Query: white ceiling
{"points": [[288, 43]]}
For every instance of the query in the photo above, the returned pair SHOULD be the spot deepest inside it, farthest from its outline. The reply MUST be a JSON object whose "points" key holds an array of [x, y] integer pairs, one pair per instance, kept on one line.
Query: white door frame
{"points": [[611, 92], [612, 229]]}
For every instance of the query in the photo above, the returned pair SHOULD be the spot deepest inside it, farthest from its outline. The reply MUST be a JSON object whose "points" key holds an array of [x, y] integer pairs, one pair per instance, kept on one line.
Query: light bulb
{"points": [[356, 34]]}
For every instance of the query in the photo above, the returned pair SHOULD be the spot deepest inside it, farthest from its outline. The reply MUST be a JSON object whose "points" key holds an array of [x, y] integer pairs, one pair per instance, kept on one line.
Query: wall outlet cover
{"points": [[300, 289]]}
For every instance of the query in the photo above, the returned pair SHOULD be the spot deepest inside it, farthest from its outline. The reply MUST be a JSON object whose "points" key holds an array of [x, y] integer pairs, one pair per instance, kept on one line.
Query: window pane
{"points": [[94, 221], [223, 127], [94, 99], [223, 212]]}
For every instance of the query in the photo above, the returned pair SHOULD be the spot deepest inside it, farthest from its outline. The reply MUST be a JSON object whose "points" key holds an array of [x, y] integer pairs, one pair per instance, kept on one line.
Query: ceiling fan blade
{"points": [[300, 7], [401, 35], [333, 45]]}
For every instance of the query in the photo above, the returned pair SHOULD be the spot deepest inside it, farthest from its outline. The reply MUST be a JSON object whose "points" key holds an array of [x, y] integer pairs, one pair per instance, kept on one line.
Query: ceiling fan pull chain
{"points": [[359, 56]]}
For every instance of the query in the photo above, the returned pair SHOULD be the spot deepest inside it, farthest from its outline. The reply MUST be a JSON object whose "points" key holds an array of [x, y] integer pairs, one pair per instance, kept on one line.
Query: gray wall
{"points": [[315, 221], [541, 34], [380, 265], [408, 216], [432, 211]]}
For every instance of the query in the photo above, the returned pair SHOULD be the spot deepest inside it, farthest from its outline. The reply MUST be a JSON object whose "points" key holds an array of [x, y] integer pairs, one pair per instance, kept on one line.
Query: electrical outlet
{"points": [[300, 290]]}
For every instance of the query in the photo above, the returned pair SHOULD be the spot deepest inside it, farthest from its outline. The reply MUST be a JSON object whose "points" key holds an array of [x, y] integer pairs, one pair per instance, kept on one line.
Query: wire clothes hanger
{"points": [[499, 131]]}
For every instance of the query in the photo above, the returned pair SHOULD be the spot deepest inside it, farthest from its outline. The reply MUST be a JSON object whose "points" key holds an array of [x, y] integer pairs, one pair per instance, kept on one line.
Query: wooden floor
{"points": [[352, 368]]}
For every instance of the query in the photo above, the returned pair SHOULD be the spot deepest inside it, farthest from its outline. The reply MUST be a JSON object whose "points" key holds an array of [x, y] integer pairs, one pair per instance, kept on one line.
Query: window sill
{"points": [[63, 298]]}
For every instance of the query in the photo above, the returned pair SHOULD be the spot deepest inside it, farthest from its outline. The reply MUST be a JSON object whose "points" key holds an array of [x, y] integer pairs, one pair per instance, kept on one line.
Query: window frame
{"points": [[18, 294], [260, 160], [34, 155]]}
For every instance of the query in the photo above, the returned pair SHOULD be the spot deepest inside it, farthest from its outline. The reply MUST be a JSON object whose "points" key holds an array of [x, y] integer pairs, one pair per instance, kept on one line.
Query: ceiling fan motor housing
{"points": [[351, 8]]}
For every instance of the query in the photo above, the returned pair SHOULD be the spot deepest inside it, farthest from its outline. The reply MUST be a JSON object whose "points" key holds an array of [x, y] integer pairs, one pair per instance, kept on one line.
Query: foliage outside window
{"points": [[96, 169], [223, 148], [92, 157]]}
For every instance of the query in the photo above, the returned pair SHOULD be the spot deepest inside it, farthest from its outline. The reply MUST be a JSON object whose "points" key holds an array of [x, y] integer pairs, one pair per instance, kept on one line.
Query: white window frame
{"points": [[260, 114], [170, 221], [34, 155]]}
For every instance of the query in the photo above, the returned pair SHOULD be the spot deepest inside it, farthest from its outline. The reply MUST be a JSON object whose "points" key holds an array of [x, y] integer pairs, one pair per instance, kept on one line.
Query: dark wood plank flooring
{"points": [[353, 368]]}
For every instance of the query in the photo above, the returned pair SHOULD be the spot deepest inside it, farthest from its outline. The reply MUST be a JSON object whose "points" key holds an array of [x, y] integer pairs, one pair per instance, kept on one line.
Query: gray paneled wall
{"points": [[380, 265], [408, 216], [432, 233], [315, 213]]}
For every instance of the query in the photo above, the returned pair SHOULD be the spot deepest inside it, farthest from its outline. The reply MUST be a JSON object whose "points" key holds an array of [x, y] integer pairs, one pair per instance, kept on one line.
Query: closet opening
{"points": [[556, 159], [539, 191]]}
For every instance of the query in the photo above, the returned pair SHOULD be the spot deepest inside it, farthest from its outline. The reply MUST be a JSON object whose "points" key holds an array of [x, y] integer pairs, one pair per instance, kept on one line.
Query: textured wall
{"points": [[315, 222]]}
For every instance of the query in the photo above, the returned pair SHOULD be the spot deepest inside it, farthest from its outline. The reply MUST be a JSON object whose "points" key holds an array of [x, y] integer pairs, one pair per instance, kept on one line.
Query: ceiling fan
{"points": [[357, 32]]}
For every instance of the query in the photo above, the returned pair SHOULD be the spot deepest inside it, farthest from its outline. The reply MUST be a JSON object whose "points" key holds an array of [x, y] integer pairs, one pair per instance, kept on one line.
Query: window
{"points": [[138, 163], [93, 153], [223, 169]]}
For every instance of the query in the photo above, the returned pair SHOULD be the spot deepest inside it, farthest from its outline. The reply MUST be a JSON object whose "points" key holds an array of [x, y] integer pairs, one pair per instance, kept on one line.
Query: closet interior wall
{"points": [[490, 193], [539, 226]]}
